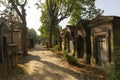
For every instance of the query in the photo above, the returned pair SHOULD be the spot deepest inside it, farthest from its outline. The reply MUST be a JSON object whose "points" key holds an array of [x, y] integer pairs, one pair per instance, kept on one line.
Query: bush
{"points": [[56, 48], [117, 63], [70, 59], [113, 70], [64, 54], [110, 72]]}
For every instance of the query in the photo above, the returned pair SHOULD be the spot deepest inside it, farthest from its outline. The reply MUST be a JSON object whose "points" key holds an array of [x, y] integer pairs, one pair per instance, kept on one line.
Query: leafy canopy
{"points": [[83, 9]]}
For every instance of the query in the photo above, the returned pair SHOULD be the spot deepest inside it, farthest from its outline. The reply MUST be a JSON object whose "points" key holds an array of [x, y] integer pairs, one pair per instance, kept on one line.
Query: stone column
{"points": [[1, 43]]}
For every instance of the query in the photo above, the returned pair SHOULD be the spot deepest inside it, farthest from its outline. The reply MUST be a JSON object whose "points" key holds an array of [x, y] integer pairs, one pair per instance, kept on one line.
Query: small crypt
{"points": [[104, 38]]}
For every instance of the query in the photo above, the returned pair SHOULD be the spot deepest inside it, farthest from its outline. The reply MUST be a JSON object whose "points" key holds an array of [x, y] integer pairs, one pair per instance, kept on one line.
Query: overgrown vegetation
{"points": [[64, 54], [33, 37], [70, 59], [113, 70], [109, 71], [117, 63], [56, 48]]}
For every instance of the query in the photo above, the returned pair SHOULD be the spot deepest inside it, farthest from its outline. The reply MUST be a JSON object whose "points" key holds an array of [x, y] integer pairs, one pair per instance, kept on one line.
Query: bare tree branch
{"points": [[24, 3], [16, 8], [18, 3]]}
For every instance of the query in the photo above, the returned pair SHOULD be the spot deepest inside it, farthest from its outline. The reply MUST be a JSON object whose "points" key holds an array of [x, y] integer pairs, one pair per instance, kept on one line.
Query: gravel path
{"points": [[42, 64]]}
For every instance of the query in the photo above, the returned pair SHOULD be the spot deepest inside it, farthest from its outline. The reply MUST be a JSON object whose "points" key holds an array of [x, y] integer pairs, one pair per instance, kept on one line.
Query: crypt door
{"points": [[80, 47], [101, 51]]}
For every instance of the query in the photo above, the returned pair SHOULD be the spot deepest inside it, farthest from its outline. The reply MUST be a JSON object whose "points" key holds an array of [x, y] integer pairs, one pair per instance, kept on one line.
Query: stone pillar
{"points": [[1, 43]]}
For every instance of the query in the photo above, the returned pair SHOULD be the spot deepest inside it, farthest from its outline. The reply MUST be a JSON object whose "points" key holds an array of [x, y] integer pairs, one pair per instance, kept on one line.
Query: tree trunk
{"points": [[24, 33], [24, 37], [22, 14], [24, 41], [50, 36]]}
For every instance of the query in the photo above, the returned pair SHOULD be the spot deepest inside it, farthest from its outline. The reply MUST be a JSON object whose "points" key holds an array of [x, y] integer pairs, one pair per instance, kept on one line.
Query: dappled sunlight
{"points": [[23, 67], [30, 67], [45, 70], [44, 65]]}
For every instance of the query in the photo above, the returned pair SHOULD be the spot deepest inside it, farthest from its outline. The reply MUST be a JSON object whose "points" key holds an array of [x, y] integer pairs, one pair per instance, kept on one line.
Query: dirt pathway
{"points": [[42, 64]]}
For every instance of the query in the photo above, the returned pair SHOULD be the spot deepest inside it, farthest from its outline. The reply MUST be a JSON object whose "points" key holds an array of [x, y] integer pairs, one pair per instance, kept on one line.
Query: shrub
{"points": [[56, 48], [64, 54], [110, 72], [113, 70], [117, 63], [70, 59]]}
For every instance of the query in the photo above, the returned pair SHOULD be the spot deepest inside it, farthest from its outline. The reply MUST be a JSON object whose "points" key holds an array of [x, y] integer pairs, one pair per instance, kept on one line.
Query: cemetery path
{"points": [[42, 64]]}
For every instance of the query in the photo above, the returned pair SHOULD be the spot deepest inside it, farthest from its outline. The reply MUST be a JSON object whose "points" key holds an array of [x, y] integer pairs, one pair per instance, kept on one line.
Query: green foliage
{"points": [[70, 59], [113, 70], [45, 20], [117, 63], [44, 30], [83, 9], [110, 72], [64, 54], [58, 9], [33, 35], [56, 48], [53, 12]]}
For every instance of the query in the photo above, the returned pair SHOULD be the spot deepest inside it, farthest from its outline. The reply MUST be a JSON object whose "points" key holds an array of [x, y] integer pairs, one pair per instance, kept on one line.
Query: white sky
{"points": [[33, 15]]}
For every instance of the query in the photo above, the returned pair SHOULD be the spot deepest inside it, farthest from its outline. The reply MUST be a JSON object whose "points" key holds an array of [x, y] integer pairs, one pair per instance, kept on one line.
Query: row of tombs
{"points": [[93, 40], [11, 35], [11, 43]]}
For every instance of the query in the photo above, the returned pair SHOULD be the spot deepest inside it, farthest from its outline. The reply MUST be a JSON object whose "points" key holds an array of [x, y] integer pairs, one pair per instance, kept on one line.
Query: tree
{"points": [[84, 10], [57, 10], [33, 37], [44, 29], [19, 7]]}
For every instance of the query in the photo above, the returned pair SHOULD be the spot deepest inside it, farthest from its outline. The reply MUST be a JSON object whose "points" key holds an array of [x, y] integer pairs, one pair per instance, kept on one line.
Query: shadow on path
{"points": [[42, 69], [53, 74], [38, 48]]}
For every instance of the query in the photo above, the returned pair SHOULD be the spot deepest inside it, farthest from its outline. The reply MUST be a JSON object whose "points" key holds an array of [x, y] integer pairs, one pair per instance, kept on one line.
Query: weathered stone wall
{"points": [[98, 31], [116, 34]]}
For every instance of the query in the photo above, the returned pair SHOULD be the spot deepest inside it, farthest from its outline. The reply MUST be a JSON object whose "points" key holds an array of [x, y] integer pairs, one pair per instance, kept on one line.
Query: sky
{"points": [[33, 15], [110, 7]]}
